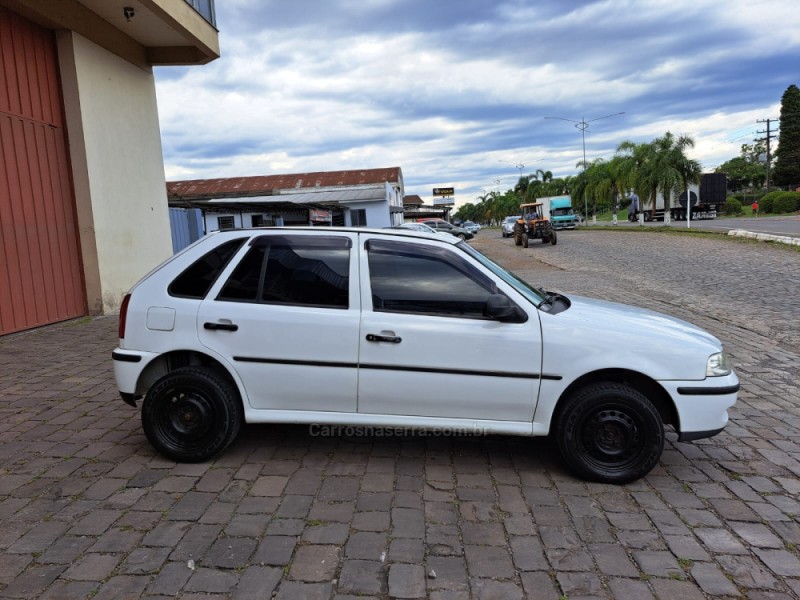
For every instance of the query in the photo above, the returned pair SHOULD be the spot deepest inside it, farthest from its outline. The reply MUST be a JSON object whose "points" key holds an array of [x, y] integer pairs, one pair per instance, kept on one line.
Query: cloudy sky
{"points": [[456, 92]]}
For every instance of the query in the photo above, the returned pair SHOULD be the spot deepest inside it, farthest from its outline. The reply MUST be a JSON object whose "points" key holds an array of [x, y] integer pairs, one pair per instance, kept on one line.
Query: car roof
{"points": [[407, 233]]}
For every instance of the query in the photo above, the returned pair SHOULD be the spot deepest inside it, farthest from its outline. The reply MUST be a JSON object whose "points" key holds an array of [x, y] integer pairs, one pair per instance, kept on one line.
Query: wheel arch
{"points": [[648, 386], [175, 359]]}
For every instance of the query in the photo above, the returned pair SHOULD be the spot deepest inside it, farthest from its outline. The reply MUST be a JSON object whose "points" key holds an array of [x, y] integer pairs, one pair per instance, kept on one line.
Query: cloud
{"points": [[456, 93]]}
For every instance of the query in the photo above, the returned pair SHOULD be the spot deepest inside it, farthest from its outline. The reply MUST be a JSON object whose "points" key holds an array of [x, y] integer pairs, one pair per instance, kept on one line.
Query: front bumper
{"points": [[702, 405]]}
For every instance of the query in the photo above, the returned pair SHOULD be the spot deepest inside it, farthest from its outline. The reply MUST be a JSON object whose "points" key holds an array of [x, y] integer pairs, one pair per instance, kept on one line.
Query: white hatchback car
{"points": [[337, 326]]}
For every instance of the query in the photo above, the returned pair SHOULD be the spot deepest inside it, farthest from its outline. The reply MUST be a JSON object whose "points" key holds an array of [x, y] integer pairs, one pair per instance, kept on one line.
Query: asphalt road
{"points": [[88, 510], [786, 225]]}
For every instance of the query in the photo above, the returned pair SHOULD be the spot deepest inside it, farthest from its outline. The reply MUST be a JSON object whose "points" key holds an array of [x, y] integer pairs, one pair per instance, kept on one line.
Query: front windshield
{"points": [[532, 294]]}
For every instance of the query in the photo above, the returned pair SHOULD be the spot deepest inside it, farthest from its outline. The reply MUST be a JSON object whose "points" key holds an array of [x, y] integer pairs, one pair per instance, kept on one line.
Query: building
{"points": [[83, 211], [415, 209], [358, 198]]}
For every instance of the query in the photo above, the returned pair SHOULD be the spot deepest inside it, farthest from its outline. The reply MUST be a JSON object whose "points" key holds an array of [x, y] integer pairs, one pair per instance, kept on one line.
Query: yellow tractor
{"points": [[533, 225]]}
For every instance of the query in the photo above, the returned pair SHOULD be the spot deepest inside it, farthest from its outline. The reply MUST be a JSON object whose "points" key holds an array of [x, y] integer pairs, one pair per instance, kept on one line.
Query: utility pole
{"points": [[582, 126], [769, 136]]}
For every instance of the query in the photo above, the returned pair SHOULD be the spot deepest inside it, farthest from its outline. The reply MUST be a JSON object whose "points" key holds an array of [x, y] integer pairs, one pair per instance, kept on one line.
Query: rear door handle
{"points": [[392, 339], [220, 326]]}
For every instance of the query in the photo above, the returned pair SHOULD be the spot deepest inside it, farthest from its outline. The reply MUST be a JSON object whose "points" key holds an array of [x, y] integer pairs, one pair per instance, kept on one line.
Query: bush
{"points": [[767, 204], [787, 202], [732, 206]]}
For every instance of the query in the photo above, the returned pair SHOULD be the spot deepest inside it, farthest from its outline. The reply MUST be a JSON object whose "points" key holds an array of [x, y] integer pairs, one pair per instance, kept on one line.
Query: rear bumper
{"points": [[128, 366]]}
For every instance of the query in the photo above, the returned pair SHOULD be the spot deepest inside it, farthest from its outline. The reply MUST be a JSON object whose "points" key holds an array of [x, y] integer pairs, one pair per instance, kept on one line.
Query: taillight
{"points": [[123, 315]]}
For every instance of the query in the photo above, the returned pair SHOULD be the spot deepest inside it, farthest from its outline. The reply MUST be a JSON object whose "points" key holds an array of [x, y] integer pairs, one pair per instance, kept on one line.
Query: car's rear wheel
{"points": [[610, 432], [192, 414]]}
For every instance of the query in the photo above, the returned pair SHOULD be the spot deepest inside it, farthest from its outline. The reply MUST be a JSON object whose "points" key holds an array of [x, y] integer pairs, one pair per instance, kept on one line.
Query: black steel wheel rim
{"points": [[186, 418], [611, 437]]}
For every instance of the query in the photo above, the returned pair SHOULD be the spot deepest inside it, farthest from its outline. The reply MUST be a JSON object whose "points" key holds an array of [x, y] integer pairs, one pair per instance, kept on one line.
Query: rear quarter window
{"points": [[197, 278]]}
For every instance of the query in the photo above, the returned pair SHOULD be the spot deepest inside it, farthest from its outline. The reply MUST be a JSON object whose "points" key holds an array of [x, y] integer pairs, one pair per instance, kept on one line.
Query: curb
{"points": [[765, 237]]}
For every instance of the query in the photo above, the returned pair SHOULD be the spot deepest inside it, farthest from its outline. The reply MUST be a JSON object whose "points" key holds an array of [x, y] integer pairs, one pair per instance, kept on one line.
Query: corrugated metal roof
{"points": [[268, 185], [344, 195]]}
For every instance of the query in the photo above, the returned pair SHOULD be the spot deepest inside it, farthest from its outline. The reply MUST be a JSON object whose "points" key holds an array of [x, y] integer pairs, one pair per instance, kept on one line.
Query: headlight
{"points": [[717, 365]]}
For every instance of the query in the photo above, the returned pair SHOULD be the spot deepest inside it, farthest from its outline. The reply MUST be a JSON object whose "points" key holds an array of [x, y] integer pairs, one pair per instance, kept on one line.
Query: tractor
{"points": [[533, 225]]}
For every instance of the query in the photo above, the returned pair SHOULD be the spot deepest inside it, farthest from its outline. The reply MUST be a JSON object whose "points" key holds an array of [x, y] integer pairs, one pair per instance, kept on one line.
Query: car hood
{"points": [[613, 335]]}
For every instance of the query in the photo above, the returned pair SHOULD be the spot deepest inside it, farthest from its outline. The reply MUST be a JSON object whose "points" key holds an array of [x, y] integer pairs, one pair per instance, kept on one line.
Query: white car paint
{"points": [[477, 374]]}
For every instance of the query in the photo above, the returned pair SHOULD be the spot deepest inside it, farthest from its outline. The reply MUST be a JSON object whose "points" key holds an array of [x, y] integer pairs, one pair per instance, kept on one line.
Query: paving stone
{"points": [[658, 563], [748, 573], [32, 582], [406, 581], [623, 589], [362, 577], [367, 545], [575, 585], [780, 562], [143, 561], [211, 581], [667, 589], [314, 563], [123, 586], [538, 584], [712, 580], [296, 590], [170, 579], [489, 561], [686, 547], [528, 554], [230, 552], [275, 550], [450, 573], [757, 534], [612, 559], [257, 582], [406, 550], [720, 541]]}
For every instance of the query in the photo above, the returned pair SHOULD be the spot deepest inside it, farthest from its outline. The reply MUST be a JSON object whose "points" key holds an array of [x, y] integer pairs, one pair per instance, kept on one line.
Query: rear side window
{"points": [[294, 270], [198, 278]]}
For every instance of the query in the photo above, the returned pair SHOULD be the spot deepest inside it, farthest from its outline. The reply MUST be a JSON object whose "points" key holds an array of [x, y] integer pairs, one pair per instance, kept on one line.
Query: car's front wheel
{"points": [[191, 414], [610, 432]]}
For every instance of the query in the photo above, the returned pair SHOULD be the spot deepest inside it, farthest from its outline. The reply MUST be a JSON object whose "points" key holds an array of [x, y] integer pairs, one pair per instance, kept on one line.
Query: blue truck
{"points": [[559, 210]]}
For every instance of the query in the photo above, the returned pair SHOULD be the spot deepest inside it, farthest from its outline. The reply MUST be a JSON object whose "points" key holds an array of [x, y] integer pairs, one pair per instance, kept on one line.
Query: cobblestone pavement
{"points": [[88, 510]]}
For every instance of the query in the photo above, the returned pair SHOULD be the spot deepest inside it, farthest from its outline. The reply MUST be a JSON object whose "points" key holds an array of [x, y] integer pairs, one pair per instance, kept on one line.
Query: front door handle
{"points": [[220, 326], [392, 339]]}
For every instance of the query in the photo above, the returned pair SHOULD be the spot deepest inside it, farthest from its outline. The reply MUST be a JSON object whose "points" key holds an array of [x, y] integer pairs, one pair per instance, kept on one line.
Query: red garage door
{"points": [[40, 269]]}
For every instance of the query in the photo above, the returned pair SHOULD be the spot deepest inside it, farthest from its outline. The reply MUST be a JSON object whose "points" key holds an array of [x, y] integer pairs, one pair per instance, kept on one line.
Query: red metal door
{"points": [[41, 277]]}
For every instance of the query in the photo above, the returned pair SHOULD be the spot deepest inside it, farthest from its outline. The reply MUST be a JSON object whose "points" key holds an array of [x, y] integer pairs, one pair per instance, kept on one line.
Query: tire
{"points": [[524, 240], [192, 414], [609, 432], [553, 238], [462, 236]]}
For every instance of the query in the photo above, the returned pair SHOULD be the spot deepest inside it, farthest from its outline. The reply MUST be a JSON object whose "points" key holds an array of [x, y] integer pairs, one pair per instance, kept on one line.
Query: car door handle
{"points": [[392, 339], [220, 326]]}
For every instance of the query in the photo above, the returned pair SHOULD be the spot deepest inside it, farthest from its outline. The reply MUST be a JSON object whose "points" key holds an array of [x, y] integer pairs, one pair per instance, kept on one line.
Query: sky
{"points": [[457, 93]]}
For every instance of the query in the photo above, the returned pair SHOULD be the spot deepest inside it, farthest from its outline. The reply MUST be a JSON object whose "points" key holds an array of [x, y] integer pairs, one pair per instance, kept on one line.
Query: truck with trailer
{"points": [[705, 201]]}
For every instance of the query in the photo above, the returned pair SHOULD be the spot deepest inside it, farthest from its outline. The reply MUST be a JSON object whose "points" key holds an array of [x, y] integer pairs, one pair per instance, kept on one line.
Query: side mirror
{"points": [[500, 308]]}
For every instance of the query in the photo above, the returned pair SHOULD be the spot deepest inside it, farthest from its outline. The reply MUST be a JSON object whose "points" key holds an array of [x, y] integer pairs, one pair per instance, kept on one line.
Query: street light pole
{"points": [[583, 125]]}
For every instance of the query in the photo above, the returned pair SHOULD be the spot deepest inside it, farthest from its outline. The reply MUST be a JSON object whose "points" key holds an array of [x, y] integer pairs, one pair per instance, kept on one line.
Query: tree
{"points": [[746, 170], [787, 162]]}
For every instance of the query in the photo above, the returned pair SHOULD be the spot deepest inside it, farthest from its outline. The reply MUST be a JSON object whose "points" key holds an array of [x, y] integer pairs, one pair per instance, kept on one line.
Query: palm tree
{"points": [[635, 171], [671, 166]]}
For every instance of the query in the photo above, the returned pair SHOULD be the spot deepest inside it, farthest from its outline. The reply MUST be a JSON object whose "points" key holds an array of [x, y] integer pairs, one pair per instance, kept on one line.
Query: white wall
{"points": [[377, 213], [118, 170]]}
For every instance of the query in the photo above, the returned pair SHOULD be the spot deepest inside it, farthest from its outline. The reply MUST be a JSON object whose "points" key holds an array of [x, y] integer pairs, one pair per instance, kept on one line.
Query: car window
{"points": [[295, 270], [411, 278], [197, 279]]}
